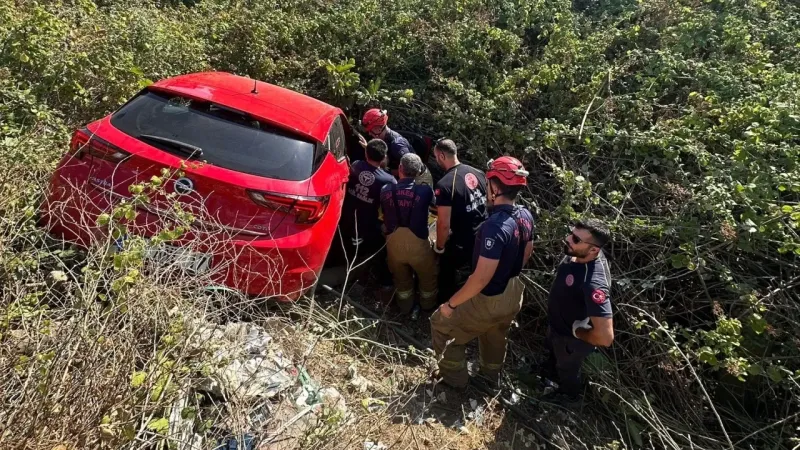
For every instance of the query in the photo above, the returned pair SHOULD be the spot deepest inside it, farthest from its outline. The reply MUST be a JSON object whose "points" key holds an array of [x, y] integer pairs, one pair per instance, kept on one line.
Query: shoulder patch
{"points": [[489, 243], [598, 296], [471, 181], [570, 280]]}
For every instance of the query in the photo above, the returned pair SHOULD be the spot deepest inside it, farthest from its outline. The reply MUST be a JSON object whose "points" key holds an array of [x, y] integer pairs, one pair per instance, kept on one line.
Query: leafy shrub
{"points": [[675, 121]]}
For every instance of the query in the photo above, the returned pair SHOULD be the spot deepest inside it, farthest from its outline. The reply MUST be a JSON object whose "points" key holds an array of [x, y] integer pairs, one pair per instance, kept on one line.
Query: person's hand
{"points": [[362, 140], [580, 324], [446, 310], [435, 248]]}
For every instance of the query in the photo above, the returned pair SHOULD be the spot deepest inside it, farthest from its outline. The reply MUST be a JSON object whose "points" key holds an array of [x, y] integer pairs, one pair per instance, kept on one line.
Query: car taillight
{"points": [[84, 144], [305, 209]]}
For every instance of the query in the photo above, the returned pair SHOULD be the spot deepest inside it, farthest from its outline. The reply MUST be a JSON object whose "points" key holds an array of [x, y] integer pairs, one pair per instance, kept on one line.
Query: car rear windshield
{"points": [[228, 138]]}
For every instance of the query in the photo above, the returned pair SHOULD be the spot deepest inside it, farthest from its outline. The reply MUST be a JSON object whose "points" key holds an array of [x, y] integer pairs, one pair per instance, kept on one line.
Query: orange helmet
{"points": [[374, 118], [508, 170]]}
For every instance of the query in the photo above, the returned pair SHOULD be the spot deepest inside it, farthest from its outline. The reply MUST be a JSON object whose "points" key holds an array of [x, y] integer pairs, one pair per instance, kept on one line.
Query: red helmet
{"points": [[374, 118], [508, 170]]}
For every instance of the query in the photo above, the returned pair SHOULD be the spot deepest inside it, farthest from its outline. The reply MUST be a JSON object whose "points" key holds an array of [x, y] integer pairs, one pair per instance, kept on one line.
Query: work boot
{"points": [[437, 379]]}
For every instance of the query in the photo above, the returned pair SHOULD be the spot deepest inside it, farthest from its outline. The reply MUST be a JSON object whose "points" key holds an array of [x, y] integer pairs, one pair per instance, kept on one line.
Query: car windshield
{"points": [[225, 137]]}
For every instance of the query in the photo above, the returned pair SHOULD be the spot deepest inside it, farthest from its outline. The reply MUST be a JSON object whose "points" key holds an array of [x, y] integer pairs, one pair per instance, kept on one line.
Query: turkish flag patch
{"points": [[598, 296], [438, 192]]}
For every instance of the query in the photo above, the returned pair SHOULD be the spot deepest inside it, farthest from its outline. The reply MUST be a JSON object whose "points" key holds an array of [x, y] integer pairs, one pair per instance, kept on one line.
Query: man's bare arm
{"points": [[528, 253], [442, 225], [601, 334]]}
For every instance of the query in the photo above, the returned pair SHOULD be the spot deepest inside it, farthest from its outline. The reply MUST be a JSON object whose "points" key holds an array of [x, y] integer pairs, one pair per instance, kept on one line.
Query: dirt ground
{"points": [[401, 407]]}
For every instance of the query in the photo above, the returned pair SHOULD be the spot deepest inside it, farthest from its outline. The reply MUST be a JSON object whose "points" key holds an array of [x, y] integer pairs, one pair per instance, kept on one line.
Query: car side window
{"points": [[336, 139]]}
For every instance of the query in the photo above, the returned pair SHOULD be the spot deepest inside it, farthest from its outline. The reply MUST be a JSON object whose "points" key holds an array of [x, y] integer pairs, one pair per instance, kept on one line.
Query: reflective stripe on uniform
{"points": [[492, 366], [452, 365], [429, 294], [404, 294]]}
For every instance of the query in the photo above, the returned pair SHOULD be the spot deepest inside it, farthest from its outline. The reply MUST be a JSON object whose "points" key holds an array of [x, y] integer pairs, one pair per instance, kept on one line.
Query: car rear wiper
{"points": [[192, 150]]}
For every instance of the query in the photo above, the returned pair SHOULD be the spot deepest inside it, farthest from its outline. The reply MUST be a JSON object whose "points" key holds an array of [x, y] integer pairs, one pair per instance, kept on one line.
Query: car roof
{"points": [[281, 107]]}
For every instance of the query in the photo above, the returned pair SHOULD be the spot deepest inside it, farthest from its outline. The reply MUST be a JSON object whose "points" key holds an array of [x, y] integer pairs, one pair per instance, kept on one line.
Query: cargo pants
{"points": [[408, 254], [488, 319], [564, 360]]}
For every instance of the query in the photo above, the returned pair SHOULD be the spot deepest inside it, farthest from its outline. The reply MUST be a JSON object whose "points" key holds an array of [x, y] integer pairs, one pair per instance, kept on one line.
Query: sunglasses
{"points": [[577, 239]]}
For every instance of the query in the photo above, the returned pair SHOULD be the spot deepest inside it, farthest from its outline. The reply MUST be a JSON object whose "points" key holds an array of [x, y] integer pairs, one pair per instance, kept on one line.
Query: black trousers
{"points": [[565, 358], [456, 256]]}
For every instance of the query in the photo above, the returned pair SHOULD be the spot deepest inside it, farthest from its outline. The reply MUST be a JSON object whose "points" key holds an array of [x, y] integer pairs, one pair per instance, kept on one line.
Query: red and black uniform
{"points": [[463, 189]]}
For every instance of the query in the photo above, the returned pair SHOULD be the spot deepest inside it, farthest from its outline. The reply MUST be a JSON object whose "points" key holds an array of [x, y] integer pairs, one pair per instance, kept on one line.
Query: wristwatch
{"points": [[451, 306]]}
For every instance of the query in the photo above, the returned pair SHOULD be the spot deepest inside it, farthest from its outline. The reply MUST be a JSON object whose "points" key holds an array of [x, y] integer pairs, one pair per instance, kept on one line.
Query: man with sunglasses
{"points": [[492, 296], [375, 123], [579, 309], [460, 209]]}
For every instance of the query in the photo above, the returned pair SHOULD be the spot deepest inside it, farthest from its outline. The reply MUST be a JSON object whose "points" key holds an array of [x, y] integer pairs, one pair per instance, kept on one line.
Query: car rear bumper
{"points": [[282, 268]]}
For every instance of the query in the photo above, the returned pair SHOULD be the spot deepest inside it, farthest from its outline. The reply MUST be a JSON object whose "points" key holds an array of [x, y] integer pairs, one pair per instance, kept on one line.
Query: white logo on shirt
{"points": [[489, 243], [366, 178]]}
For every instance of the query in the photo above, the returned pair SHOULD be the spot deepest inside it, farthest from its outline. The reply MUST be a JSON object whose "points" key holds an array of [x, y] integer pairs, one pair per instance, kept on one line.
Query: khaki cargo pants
{"points": [[488, 319], [407, 254]]}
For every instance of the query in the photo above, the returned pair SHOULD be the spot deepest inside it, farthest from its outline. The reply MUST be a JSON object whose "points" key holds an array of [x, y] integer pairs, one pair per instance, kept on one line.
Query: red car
{"points": [[264, 179]]}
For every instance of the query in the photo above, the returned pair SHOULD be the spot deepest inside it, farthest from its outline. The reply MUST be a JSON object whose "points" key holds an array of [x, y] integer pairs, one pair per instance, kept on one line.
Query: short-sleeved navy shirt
{"points": [[503, 236], [362, 201], [580, 290], [398, 146], [411, 209], [463, 188]]}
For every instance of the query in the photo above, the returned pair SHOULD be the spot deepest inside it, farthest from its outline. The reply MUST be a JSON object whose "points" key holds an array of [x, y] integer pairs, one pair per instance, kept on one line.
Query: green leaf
{"points": [[786, 209], [160, 425], [707, 356], [188, 413], [138, 379], [757, 323], [680, 261], [755, 369], [635, 431], [775, 373]]}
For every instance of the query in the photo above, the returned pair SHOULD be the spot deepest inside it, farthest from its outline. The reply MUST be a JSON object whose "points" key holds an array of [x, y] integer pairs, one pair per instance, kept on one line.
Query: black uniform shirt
{"points": [[503, 236], [463, 188], [363, 200], [580, 291]]}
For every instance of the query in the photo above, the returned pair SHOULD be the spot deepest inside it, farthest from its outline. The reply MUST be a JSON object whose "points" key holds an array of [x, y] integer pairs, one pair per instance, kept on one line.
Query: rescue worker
{"points": [[375, 122], [492, 296], [579, 309], [405, 218], [360, 226], [460, 209]]}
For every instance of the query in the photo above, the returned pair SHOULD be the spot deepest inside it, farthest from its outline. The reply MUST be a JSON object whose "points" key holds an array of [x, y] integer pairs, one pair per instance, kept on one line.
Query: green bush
{"points": [[676, 121]]}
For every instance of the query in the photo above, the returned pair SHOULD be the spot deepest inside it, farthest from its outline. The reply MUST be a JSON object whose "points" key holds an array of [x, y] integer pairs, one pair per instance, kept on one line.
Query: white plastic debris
{"points": [[333, 400], [458, 425], [359, 383], [250, 365]]}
